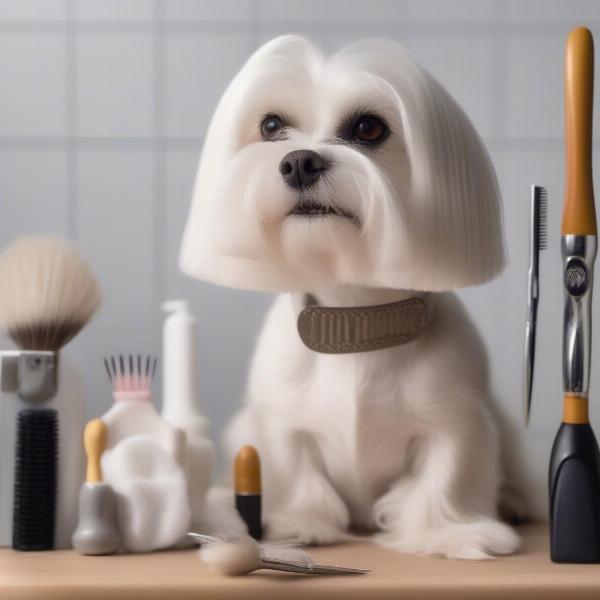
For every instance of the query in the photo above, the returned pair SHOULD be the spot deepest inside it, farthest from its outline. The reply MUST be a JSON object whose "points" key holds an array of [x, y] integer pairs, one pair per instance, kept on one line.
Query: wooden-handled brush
{"points": [[94, 439], [579, 212], [97, 531], [574, 478]]}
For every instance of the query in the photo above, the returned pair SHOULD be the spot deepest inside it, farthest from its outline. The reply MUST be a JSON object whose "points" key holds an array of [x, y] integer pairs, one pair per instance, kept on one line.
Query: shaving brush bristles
{"points": [[49, 292]]}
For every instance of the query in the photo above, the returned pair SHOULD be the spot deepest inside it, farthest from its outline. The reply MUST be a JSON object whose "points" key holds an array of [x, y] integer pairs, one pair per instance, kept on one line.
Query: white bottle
{"points": [[144, 463], [180, 404]]}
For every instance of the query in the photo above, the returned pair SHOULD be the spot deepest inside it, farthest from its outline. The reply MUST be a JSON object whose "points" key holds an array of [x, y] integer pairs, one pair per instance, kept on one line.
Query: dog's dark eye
{"points": [[369, 129], [271, 127]]}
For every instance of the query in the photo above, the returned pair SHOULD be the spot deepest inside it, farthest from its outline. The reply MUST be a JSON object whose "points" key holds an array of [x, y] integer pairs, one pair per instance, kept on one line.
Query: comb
{"points": [[538, 242]]}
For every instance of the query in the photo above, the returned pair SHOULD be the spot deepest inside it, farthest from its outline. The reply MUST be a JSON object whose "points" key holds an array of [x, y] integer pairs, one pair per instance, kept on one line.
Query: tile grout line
{"points": [[40, 26], [97, 141], [193, 143], [71, 148], [500, 70], [159, 160], [500, 117], [71, 139], [255, 24]]}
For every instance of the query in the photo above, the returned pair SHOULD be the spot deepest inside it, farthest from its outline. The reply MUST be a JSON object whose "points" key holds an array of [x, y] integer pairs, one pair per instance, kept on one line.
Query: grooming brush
{"points": [[131, 375], [48, 292], [153, 453], [48, 295], [97, 531], [538, 242], [248, 494], [242, 556], [34, 503], [574, 477]]}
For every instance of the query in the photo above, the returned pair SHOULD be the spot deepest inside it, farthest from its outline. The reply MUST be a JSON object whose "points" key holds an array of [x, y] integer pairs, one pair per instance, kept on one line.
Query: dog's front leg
{"points": [[308, 508], [447, 504]]}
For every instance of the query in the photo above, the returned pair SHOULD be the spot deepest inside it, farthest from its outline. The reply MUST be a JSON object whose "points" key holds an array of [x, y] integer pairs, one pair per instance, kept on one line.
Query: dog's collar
{"points": [[342, 330]]}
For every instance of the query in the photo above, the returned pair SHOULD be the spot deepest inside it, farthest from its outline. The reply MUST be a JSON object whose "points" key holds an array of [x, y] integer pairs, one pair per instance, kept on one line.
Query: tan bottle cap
{"points": [[246, 471]]}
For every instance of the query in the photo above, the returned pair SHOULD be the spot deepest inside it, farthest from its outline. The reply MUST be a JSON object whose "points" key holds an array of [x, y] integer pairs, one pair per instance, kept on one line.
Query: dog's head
{"points": [[359, 169]]}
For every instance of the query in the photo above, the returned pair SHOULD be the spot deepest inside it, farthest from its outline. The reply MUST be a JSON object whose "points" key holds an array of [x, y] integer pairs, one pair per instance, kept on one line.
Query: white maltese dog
{"points": [[357, 181]]}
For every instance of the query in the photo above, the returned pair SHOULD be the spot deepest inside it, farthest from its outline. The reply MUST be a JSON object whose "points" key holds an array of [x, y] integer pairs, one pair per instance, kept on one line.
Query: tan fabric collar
{"points": [[343, 330]]}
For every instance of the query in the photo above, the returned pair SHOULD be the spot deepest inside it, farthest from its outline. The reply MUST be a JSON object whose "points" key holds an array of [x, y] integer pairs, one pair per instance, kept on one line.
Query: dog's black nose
{"points": [[302, 168]]}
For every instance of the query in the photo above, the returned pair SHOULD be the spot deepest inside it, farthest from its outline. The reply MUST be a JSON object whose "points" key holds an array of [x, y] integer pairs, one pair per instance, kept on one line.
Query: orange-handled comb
{"points": [[579, 213]]}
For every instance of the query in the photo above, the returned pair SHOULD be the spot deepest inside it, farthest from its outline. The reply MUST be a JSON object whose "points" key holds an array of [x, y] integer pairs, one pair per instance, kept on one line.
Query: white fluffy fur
{"points": [[428, 199], [400, 440]]}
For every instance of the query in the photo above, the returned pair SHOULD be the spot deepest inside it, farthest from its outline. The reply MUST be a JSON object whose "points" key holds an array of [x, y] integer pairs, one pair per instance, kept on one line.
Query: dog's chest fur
{"points": [[356, 407], [364, 433]]}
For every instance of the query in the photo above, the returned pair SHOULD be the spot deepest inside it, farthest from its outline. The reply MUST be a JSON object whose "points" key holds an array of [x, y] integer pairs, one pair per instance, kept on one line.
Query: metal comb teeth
{"points": [[540, 216], [130, 372], [538, 241]]}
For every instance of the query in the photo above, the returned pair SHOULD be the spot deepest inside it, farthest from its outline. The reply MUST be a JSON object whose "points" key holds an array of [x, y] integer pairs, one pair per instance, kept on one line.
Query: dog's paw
{"points": [[305, 529], [477, 540]]}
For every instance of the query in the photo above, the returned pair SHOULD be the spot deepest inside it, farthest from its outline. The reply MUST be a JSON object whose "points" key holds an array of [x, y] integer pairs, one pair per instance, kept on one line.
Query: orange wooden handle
{"points": [[94, 439], [579, 213], [575, 410]]}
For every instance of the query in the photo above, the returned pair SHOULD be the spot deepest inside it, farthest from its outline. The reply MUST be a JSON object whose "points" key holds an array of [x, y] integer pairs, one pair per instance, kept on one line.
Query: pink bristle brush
{"points": [[131, 376]]}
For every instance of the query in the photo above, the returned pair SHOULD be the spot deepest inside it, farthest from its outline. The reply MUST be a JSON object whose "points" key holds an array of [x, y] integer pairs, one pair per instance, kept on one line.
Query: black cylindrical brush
{"points": [[34, 506], [49, 293]]}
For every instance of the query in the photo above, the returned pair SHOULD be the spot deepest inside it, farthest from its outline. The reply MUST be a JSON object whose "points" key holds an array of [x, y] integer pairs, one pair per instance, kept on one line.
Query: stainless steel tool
{"points": [[538, 242]]}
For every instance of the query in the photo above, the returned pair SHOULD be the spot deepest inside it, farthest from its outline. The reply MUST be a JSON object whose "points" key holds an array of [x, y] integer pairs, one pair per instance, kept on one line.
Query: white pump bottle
{"points": [[180, 400]]}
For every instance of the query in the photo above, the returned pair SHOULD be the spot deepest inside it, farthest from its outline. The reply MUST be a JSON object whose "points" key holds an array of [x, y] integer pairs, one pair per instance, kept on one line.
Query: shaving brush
{"points": [[49, 292]]}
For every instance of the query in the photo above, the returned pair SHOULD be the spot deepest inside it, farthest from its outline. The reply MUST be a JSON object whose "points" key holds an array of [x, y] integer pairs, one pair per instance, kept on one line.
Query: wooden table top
{"points": [[64, 575]]}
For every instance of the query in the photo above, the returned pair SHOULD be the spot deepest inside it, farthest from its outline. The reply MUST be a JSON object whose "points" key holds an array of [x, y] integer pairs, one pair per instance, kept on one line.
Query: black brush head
{"points": [[34, 503]]}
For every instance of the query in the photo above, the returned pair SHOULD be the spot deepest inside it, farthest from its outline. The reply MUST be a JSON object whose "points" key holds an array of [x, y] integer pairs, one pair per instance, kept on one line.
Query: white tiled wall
{"points": [[198, 65], [104, 105], [33, 72], [115, 84]]}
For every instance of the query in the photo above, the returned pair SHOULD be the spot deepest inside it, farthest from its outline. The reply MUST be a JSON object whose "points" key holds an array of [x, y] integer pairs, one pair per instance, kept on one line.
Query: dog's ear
{"points": [[201, 254], [455, 200], [453, 213]]}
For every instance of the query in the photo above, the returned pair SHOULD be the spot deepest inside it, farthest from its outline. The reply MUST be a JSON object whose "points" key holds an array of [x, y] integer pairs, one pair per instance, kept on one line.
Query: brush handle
{"points": [[579, 214], [95, 439], [36, 468], [575, 496]]}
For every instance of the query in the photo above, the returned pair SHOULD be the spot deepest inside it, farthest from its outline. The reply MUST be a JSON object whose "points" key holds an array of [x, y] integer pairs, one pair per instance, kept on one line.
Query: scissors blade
{"points": [[293, 567], [528, 368]]}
